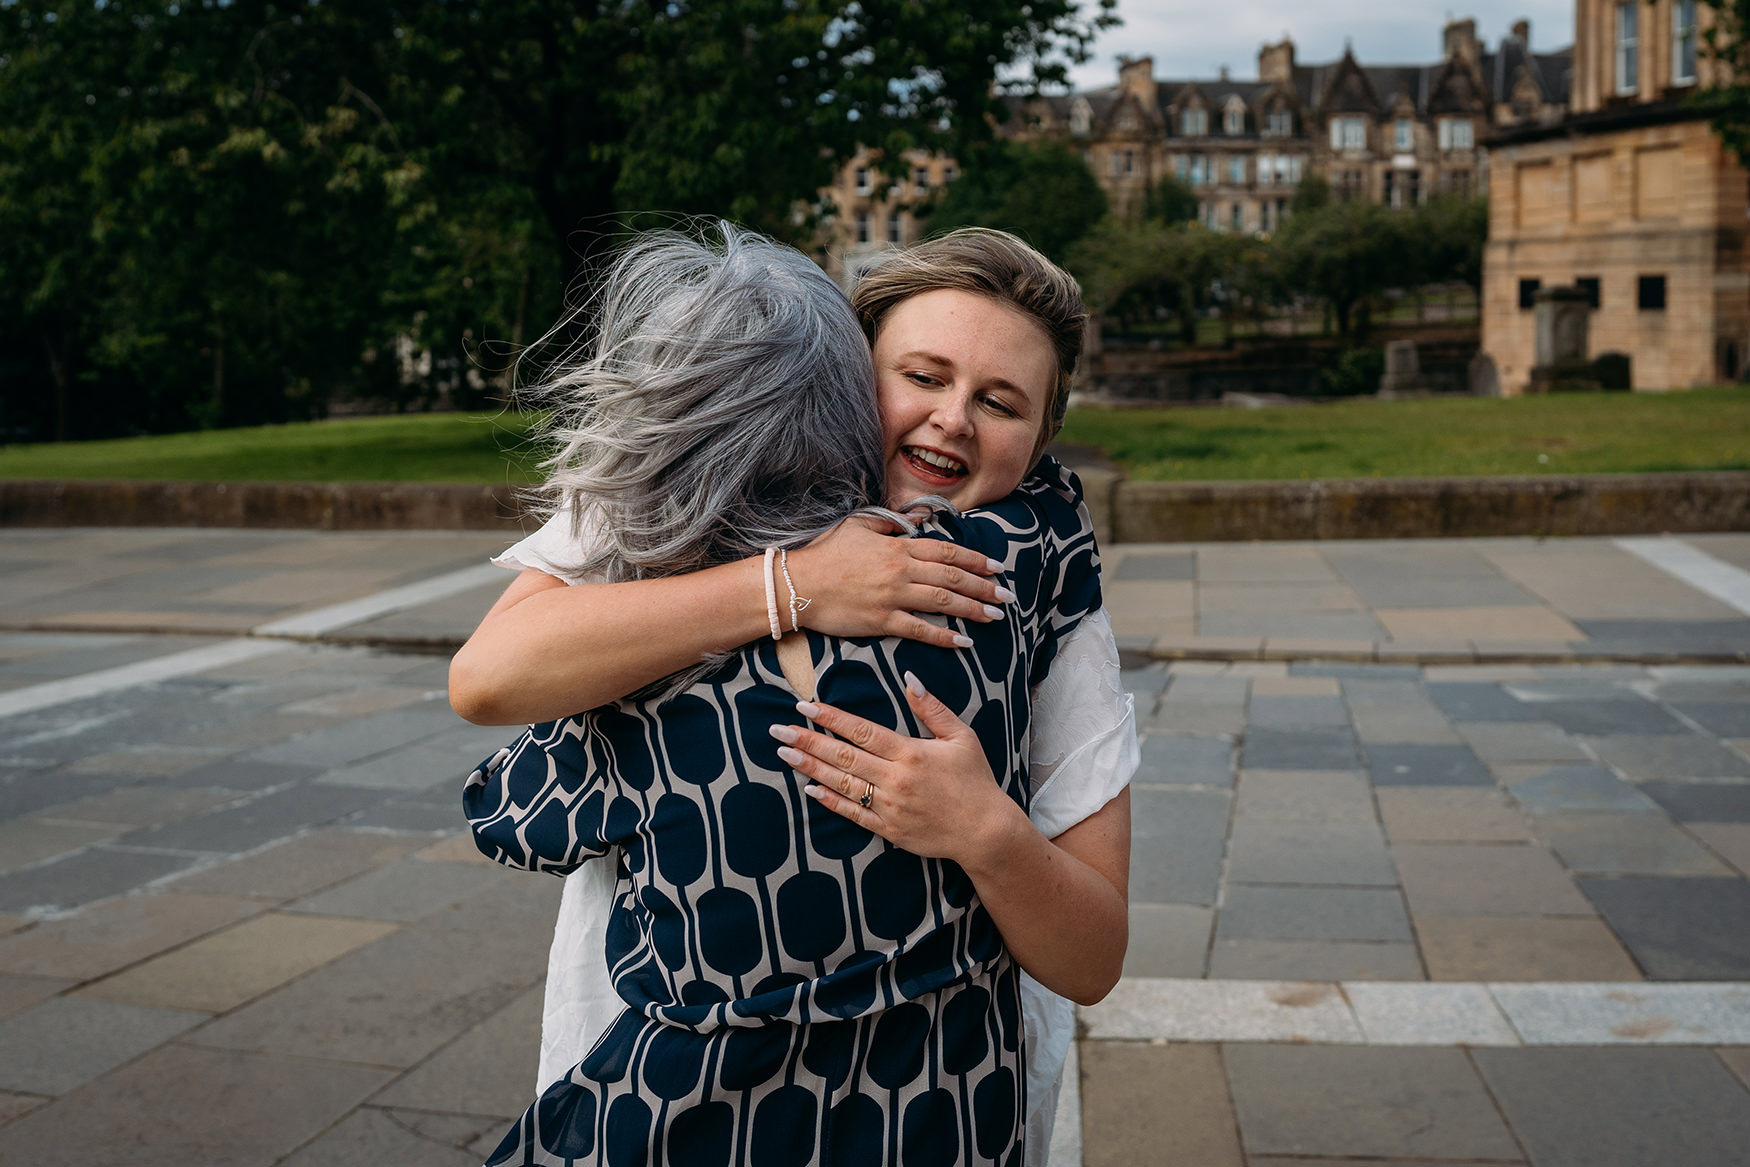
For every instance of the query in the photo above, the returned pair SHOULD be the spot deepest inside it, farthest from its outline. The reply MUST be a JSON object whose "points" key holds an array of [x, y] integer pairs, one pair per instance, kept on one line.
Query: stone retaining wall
{"points": [[1124, 512]]}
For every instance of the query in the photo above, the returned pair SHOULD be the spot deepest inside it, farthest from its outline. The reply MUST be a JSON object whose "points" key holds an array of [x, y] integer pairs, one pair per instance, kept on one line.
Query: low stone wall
{"points": [[1419, 508], [1124, 511], [309, 505]]}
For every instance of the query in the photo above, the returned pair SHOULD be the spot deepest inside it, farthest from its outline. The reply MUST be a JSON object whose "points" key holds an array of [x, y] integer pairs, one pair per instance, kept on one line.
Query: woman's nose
{"points": [[953, 416]]}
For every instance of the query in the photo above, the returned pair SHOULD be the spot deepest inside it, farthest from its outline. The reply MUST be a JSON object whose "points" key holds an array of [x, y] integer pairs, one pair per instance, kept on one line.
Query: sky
{"points": [[1195, 38]]}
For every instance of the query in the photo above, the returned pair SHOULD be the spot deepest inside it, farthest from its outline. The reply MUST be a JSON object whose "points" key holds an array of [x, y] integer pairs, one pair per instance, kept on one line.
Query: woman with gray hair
{"points": [[1017, 416]]}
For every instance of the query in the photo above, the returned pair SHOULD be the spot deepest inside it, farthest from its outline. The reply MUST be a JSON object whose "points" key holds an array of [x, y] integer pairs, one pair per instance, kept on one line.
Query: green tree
{"points": [[1170, 201], [1726, 41], [1311, 193], [1343, 254], [1040, 191], [216, 212]]}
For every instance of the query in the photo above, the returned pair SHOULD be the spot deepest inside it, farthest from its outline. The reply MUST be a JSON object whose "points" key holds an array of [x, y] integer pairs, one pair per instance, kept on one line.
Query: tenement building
{"points": [[870, 210], [1632, 198], [1394, 134]]}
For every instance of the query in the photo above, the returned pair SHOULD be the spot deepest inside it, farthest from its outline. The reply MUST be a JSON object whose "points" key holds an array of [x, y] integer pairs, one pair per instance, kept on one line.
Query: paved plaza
{"points": [[1442, 856]]}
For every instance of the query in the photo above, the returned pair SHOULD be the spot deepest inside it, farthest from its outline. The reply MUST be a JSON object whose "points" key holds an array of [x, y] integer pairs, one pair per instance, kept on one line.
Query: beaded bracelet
{"points": [[772, 597], [797, 603]]}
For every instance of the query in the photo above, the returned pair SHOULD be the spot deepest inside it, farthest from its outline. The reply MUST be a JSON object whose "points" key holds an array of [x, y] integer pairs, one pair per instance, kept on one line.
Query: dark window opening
{"points": [[1589, 285], [1528, 293], [1651, 297]]}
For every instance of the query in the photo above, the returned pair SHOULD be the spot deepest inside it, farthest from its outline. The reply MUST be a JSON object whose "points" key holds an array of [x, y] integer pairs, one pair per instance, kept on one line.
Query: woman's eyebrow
{"points": [[935, 359]]}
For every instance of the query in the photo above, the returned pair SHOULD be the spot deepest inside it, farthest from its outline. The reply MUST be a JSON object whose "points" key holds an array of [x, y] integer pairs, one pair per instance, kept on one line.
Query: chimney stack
{"points": [[1276, 63], [1522, 32]]}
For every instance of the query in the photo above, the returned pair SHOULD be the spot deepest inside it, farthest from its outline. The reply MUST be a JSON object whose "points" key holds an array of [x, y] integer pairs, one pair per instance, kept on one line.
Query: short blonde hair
{"points": [[989, 263]]}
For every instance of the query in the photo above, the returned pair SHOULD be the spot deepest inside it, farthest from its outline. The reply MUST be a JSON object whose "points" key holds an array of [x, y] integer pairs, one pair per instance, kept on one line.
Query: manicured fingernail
{"points": [[993, 612], [962, 641], [815, 793], [808, 709], [1006, 596], [993, 564], [914, 686], [785, 733], [791, 757]]}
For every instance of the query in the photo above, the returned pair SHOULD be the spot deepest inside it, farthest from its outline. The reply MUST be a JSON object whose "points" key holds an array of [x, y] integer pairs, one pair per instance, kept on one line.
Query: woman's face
{"points": [[963, 383]]}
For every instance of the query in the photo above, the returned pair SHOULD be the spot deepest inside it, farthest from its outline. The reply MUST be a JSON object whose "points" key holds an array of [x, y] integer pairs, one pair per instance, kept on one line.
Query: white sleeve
{"points": [[554, 549], [1084, 729]]}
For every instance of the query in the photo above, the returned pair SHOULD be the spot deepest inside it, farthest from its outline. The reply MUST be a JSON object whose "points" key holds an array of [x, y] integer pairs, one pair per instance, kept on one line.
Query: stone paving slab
{"points": [[65, 1042], [1522, 948], [1449, 814], [1626, 844], [407, 890], [1147, 1103], [297, 867], [1168, 940], [485, 1071], [181, 1105], [1486, 879], [1599, 1014], [1379, 1102], [223, 970], [372, 1136], [1679, 929], [1620, 1107], [109, 936], [1312, 913], [1322, 960]]}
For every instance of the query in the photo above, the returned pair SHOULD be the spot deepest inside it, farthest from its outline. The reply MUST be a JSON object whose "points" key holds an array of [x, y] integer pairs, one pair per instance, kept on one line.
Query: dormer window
{"points": [[1403, 135], [1456, 134], [1081, 119], [1683, 42], [1193, 123], [1348, 133], [1233, 119], [1279, 123]]}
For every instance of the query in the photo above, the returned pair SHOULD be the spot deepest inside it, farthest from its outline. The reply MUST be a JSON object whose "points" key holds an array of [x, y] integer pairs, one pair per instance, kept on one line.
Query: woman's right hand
{"points": [[862, 580]]}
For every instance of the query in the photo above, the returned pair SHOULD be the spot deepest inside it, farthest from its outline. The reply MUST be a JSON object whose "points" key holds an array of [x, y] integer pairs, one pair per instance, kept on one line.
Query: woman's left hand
{"points": [[935, 797]]}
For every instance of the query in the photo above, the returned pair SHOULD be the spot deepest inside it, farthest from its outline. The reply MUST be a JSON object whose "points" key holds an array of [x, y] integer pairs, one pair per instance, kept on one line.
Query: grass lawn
{"points": [[1701, 429], [415, 447], [1598, 433]]}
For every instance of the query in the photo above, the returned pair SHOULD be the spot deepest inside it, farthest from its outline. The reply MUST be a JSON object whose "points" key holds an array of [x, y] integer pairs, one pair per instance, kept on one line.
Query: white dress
{"points": [[1084, 752]]}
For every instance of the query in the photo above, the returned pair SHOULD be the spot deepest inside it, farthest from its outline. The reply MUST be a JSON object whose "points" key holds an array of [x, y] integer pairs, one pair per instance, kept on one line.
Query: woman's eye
{"points": [[999, 406], [921, 378]]}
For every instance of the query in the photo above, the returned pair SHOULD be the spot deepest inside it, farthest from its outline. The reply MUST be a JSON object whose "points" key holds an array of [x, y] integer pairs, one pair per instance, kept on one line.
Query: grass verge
{"points": [[1701, 429], [1596, 433]]}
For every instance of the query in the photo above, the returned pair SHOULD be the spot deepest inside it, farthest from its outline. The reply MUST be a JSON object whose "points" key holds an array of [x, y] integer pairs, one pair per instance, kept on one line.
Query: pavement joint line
{"points": [[274, 636], [320, 621], [1695, 567], [1423, 1013]]}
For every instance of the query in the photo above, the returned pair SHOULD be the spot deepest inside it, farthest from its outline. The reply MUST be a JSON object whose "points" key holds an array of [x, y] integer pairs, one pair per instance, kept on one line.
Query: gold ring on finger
{"points": [[868, 799]]}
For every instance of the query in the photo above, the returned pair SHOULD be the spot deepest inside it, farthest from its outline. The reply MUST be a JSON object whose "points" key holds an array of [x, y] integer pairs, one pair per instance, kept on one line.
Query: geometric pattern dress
{"points": [[797, 990]]}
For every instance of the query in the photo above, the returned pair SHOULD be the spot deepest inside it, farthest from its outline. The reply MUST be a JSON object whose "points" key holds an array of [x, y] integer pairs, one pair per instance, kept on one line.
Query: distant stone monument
{"points": [[1484, 378], [1403, 370], [1562, 365]]}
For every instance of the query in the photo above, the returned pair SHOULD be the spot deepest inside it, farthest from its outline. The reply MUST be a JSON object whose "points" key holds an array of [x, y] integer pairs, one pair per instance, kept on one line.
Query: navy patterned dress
{"points": [[798, 990]]}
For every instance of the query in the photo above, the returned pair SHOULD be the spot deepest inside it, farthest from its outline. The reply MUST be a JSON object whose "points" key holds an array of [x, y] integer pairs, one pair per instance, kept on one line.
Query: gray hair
{"points": [[722, 402]]}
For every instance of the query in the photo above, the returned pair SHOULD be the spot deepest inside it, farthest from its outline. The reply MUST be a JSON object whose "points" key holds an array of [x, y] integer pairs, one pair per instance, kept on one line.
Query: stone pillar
{"points": [[1562, 320]]}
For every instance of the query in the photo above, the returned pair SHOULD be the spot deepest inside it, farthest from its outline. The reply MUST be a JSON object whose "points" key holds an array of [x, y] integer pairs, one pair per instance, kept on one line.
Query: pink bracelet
{"points": [[772, 596]]}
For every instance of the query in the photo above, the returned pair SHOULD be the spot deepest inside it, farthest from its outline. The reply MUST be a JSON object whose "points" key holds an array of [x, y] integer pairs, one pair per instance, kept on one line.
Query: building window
{"points": [[1200, 175], [1456, 181], [893, 228], [1264, 215], [1123, 162], [1288, 169], [1683, 42], [1193, 123], [1389, 191], [921, 178], [1237, 216], [1628, 46], [1650, 295], [1266, 163], [1589, 285], [1182, 168], [1403, 135], [1456, 134], [1528, 294], [862, 226], [1279, 123], [1236, 170], [862, 180], [1348, 133], [948, 173], [1233, 121]]}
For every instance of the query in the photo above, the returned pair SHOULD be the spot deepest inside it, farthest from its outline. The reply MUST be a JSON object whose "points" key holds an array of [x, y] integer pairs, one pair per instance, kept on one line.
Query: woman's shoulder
{"points": [[1047, 506]]}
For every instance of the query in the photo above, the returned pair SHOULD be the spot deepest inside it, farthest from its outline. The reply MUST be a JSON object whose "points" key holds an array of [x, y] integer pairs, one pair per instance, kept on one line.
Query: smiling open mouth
{"points": [[933, 464]]}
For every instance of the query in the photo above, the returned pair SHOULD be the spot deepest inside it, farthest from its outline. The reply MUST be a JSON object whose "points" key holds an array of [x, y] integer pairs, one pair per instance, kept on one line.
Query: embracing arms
{"points": [[547, 650]]}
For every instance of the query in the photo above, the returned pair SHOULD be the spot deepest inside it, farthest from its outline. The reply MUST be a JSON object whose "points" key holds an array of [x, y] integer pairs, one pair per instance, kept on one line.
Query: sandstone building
{"points": [[1631, 197], [1395, 134]]}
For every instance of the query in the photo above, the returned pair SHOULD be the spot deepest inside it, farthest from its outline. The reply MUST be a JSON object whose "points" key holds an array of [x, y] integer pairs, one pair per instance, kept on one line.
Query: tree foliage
{"points": [[1040, 191], [225, 211], [1726, 41], [1170, 201]]}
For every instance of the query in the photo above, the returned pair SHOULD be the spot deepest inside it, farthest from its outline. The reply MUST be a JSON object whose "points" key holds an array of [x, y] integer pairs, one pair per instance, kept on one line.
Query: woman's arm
{"points": [[1061, 904], [547, 650]]}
